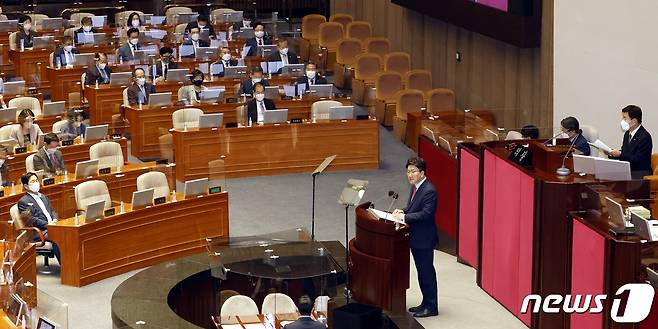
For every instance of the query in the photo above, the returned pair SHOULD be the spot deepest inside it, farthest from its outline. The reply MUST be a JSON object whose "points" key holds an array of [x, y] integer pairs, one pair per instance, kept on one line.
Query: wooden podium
{"points": [[379, 261]]}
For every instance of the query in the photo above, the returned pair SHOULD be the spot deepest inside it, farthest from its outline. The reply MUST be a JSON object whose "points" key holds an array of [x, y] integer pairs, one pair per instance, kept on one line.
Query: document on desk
{"points": [[385, 215], [254, 326], [601, 145], [231, 326]]}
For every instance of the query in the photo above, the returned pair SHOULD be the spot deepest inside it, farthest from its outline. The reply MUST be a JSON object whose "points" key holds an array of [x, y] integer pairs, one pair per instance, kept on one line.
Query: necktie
{"points": [[260, 42], [413, 192], [52, 159], [226, 64], [103, 75], [164, 71]]}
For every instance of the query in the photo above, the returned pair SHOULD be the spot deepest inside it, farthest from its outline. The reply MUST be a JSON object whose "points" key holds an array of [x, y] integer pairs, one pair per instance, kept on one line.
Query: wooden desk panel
{"points": [[135, 239], [67, 81], [277, 149], [31, 65]]}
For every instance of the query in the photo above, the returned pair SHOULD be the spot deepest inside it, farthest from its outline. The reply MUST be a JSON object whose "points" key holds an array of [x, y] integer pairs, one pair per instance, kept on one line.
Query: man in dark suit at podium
{"points": [[419, 215]]}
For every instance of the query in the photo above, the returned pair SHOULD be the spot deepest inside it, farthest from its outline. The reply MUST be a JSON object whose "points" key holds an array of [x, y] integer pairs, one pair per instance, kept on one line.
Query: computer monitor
{"points": [[13, 87], [120, 78], [234, 72], [321, 90], [160, 99], [213, 120], [54, 108], [615, 212], [94, 211], [341, 113], [98, 21], [195, 187], [8, 25], [212, 95], [642, 226], [84, 169], [231, 16], [275, 116], [42, 42], [183, 18], [8, 115], [45, 323], [266, 50], [177, 75], [15, 308], [186, 50], [142, 199], [84, 59], [96, 133]]}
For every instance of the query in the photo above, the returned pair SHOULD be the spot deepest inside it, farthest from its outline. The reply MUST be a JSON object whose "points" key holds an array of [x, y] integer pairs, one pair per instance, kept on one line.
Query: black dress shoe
{"points": [[424, 313], [416, 308]]}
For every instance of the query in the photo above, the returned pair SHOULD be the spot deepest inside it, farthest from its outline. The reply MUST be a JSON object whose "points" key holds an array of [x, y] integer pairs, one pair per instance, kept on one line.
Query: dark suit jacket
{"points": [[276, 57], [252, 110], [202, 43], [135, 94], [318, 81], [43, 162], [21, 35], [254, 44], [125, 53], [158, 68], [194, 24], [419, 214], [638, 151], [80, 30], [94, 74], [247, 87], [39, 219], [4, 174], [233, 62], [305, 323], [59, 53], [581, 145], [238, 26]]}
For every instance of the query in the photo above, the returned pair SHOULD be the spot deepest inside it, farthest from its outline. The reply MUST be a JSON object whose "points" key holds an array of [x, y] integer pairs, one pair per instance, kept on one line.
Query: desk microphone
{"points": [[552, 138], [395, 198], [390, 194], [564, 171]]}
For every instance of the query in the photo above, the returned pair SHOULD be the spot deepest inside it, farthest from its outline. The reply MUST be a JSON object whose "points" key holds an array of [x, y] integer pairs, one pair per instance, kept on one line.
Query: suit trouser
{"points": [[424, 259], [55, 246]]}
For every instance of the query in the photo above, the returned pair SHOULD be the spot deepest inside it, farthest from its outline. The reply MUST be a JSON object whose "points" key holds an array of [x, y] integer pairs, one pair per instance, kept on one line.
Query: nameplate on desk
{"points": [[116, 136], [231, 125], [67, 142], [104, 171], [296, 120], [286, 98], [160, 200], [109, 212], [231, 100], [48, 181], [20, 150], [215, 189], [362, 117]]}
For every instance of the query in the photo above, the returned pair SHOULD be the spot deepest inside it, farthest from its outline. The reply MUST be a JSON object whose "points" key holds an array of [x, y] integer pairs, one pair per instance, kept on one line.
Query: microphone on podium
{"points": [[552, 138], [395, 198], [564, 171], [390, 194]]}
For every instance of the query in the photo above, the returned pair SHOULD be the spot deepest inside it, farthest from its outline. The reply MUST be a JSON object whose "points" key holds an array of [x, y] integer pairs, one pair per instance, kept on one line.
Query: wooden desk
{"points": [[68, 81], [148, 122], [25, 266], [135, 239], [277, 149], [72, 155], [454, 123]]}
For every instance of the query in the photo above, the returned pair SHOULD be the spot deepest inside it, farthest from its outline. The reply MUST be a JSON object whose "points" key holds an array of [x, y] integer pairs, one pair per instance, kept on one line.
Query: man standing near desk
{"points": [[139, 91], [39, 207], [637, 144], [419, 215], [49, 158]]}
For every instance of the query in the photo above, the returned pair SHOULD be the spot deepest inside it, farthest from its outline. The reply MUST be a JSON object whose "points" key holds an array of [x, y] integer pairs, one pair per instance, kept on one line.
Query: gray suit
{"points": [[50, 166], [305, 323], [39, 220], [125, 53]]}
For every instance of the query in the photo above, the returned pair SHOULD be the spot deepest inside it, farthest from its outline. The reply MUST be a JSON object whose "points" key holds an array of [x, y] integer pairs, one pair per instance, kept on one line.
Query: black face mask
{"points": [[197, 83]]}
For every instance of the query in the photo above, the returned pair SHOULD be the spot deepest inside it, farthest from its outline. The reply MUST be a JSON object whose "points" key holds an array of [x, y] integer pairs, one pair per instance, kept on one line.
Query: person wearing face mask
{"points": [[49, 158], [283, 54], [164, 64], [191, 92], [139, 91], [203, 25], [195, 40], [259, 39], [256, 76], [99, 73], [26, 132], [65, 53], [225, 60], [258, 105], [25, 32], [245, 22], [311, 77], [571, 128], [127, 51], [5, 178], [637, 144], [38, 207], [74, 126], [134, 21], [86, 29]]}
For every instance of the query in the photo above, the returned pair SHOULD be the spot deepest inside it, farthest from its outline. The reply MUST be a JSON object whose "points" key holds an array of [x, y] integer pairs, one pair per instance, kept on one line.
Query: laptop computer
{"points": [[43, 42], [617, 218], [94, 211], [205, 52], [234, 72], [8, 115], [84, 169], [54, 108], [8, 25], [183, 18], [120, 78], [160, 99], [213, 120], [212, 95], [178, 75], [341, 113], [142, 199], [96, 133], [324, 90], [275, 116], [13, 87], [195, 187], [293, 70], [266, 50]]}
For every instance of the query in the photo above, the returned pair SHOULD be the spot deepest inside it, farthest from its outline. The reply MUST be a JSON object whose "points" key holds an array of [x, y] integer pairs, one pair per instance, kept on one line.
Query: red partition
{"points": [[442, 172], [587, 271], [507, 233], [469, 194]]}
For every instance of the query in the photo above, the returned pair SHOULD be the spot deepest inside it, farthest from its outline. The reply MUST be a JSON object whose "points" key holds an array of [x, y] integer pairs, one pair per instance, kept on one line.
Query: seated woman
{"points": [[26, 132], [192, 92], [74, 127], [25, 32]]}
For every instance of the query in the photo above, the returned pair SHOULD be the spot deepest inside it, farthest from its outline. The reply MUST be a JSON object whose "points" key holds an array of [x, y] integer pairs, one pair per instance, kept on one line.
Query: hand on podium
{"points": [[398, 214]]}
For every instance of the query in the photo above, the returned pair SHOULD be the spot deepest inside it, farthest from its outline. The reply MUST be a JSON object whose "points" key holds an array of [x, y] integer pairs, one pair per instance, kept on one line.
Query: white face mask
{"points": [[34, 187], [27, 27], [134, 41], [226, 57], [625, 126], [260, 97], [51, 151], [195, 36], [284, 51], [255, 80], [68, 48], [135, 23], [259, 34], [102, 66], [201, 27], [141, 81], [86, 28], [310, 74]]}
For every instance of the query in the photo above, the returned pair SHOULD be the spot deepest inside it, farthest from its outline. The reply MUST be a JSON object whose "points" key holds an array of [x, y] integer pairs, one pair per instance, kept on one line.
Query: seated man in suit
{"points": [[225, 60], [419, 215], [139, 91], [201, 23], [305, 307], [311, 77], [256, 76], [87, 28], [259, 39], [65, 53], [637, 144], [258, 105], [191, 93], [74, 126], [26, 132], [38, 207], [571, 127], [530, 132], [99, 73], [49, 158], [195, 41], [127, 51], [284, 55], [5, 179], [25, 32], [165, 63]]}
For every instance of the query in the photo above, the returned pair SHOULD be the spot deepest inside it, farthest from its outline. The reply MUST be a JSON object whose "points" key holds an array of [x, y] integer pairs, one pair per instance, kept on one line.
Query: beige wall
{"points": [[491, 74]]}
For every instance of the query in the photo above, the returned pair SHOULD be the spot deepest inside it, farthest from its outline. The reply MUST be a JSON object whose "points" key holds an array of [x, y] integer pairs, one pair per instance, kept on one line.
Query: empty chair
{"points": [[188, 117], [22, 103], [156, 180], [109, 154], [408, 100], [13, 44], [91, 191], [223, 295], [239, 305], [179, 31], [387, 86], [310, 35], [348, 50], [124, 94], [359, 30], [37, 19], [397, 61], [343, 19], [418, 79], [512, 135], [330, 34], [440, 100], [172, 13], [5, 131], [378, 45], [320, 109], [278, 303], [365, 71], [590, 133], [29, 163], [166, 143]]}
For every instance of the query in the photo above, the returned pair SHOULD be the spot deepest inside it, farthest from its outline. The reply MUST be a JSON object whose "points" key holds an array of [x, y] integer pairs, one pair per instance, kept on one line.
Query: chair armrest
{"points": [[39, 233], [653, 180]]}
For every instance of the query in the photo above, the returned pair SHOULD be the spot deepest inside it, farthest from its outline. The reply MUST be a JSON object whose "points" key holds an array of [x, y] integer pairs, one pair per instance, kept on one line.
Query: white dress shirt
{"points": [[284, 59], [69, 57], [37, 198]]}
